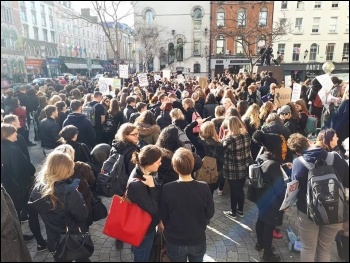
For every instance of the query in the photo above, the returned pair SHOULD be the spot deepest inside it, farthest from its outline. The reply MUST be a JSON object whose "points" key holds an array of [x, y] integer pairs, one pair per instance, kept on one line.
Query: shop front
{"points": [[52, 67], [34, 68], [303, 71], [74, 66]]}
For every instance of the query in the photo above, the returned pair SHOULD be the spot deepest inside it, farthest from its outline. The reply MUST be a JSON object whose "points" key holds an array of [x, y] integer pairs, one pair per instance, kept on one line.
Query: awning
{"points": [[94, 66], [75, 66]]}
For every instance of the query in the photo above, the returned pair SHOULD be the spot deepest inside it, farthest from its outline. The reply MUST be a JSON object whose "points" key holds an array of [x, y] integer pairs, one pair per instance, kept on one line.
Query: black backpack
{"points": [[109, 125]]}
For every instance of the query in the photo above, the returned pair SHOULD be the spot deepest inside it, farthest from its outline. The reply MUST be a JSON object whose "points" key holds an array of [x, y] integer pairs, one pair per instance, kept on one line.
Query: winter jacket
{"points": [[126, 149], [209, 110], [21, 113], [127, 113], [86, 132], [148, 133], [81, 152], [49, 133], [291, 125], [147, 198], [54, 219], [300, 172], [188, 115], [271, 196], [164, 119], [181, 124]]}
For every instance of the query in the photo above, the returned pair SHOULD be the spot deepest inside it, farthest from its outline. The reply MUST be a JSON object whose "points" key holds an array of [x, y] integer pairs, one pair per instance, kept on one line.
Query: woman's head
{"points": [[183, 161], [235, 126], [300, 105], [61, 106], [176, 114], [242, 107], [298, 143], [169, 139], [210, 99], [8, 132], [207, 131], [227, 103], [327, 139], [128, 132], [146, 117], [67, 149], [149, 158], [69, 133], [219, 111], [188, 103], [114, 106], [253, 115]]}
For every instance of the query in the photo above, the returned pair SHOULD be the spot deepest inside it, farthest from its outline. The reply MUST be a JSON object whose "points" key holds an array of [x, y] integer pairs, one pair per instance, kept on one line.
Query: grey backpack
{"points": [[325, 194]]}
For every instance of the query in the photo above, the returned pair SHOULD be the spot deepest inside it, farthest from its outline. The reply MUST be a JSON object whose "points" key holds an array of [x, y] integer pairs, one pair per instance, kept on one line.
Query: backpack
{"points": [[325, 194], [318, 102], [89, 112], [183, 137], [112, 179], [209, 170], [196, 116], [256, 178], [109, 125], [311, 124]]}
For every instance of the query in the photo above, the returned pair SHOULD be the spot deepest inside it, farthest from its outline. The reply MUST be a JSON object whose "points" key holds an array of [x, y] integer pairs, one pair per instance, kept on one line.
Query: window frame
{"points": [[263, 10], [296, 52], [330, 51], [333, 27], [281, 48], [313, 52], [241, 22], [345, 51], [318, 5], [335, 4], [197, 68], [220, 11], [284, 4], [315, 24], [217, 40]]}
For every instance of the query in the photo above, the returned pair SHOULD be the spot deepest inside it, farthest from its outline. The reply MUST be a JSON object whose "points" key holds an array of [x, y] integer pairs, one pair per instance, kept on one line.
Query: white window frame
{"points": [[313, 52], [299, 25], [330, 51], [345, 51], [241, 17], [296, 55], [263, 15], [239, 47], [281, 48], [220, 18], [333, 24], [335, 4], [315, 25], [220, 44], [347, 25]]}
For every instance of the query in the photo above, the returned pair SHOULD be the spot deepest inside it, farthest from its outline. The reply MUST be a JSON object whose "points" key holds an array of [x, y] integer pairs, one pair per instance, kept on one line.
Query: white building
{"points": [[320, 33], [185, 40]]}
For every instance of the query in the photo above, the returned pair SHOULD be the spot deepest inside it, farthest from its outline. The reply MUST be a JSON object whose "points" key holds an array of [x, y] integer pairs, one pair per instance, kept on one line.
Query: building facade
{"points": [[12, 51], [319, 33], [229, 20], [184, 38]]}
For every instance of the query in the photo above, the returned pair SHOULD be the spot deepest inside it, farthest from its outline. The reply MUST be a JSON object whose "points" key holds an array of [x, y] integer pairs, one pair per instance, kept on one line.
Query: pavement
{"points": [[228, 240]]}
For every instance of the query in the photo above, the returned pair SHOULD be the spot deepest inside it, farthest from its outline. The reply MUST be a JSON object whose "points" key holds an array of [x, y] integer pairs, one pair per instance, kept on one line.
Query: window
{"points": [[283, 22], [300, 5], [220, 18], [313, 51], [26, 31], [197, 68], [263, 17], [24, 14], [318, 5], [333, 25], [149, 17], [220, 45], [53, 37], [347, 25], [330, 51], [43, 19], [180, 50], [6, 14], [345, 52], [284, 4], [239, 46], [13, 39], [335, 4], [197, 18], [42, 8], [50, 11], [296, 52], [34, 21], [298, 25], [32, 5], [281, 48], [171, 53], [316, 25], [4, 38], [197, 48], [45, 35], [36, 33], [241, 17], [261, 43], [51, 22]]}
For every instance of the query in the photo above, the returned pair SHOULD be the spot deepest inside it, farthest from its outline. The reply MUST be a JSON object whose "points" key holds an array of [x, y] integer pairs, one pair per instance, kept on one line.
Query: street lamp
{"points": [[306, 53], [206, 58], [328, 67]]}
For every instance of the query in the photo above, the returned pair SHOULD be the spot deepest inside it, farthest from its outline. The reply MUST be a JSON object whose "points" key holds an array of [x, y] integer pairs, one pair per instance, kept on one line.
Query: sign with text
{"points": [[296, 92], [291, 194], [287, 80], [166, 74], [157, 77], [327, 85], [123, 71], [103, 85], [143, 81], [180, 79], [282, 96]]}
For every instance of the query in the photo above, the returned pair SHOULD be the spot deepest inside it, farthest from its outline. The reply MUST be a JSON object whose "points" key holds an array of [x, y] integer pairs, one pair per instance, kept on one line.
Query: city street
{"points": [[228, 240]]}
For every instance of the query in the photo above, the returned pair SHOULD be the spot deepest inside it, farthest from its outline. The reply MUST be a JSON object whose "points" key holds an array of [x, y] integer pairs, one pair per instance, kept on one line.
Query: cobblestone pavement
{"points": [[228, 240]]}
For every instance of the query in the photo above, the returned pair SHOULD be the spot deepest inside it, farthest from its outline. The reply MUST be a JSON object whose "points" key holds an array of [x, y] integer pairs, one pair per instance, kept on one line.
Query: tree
{"points": [[249, 33], [148, 36], [105, 14]]}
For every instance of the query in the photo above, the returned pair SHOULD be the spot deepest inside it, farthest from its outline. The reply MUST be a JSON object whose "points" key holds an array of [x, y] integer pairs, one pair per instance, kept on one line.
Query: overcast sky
{"points": [[123, 9]]}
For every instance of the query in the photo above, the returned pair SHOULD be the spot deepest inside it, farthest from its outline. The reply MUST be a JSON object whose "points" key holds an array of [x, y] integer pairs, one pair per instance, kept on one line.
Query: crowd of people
{"points": [[164, 130]]}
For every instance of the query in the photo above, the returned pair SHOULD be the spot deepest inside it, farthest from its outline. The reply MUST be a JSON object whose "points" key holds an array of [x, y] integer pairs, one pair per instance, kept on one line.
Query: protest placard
{"points": [[287, 80], [143, 81], [180, 79], [327, 84], [291, 194], [103, 85], [282, 96], [296, 92], [157, 77], [166, 74], [123, 71]]}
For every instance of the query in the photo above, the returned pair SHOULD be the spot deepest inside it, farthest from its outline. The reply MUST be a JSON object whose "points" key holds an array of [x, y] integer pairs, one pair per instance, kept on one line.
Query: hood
{"points": [[315, 153], [76, 117], [120, 146], [147, 129]]}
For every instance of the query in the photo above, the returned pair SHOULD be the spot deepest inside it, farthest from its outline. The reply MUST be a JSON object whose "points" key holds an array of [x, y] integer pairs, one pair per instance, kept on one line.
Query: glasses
{"points": [[285, 113], [134, 134]]}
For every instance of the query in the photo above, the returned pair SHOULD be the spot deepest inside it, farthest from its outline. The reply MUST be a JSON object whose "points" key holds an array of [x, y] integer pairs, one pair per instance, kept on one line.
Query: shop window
{"points": [[197, 68]]}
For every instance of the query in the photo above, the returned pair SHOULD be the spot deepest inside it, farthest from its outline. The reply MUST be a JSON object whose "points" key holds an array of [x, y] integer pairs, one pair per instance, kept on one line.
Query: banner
{"points": [[296, 92], [143, 81], [166, 74], [282, 96], [123, 71]]}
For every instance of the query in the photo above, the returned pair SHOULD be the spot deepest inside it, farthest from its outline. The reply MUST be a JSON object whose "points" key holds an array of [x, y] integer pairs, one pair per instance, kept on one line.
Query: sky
{"points": [[123, 9]]}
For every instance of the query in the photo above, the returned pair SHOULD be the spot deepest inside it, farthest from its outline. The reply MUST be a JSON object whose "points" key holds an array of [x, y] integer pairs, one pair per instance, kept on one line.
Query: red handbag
{"points": [[126, 221]]}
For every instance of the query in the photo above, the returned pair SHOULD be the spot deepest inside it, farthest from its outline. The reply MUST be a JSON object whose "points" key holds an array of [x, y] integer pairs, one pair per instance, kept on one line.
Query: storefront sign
{"points": [[313, 67], [34, 62]]}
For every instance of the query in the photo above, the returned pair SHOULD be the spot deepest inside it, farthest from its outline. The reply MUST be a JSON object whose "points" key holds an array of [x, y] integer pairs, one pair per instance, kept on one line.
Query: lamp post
{"points": [[206, 59], [130, 43], [328, 67]]}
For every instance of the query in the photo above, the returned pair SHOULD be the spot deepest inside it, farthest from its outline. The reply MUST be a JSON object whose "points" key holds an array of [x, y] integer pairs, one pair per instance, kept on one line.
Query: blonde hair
{"points": [[67, 149], [57, 167], [235, 126], [227, 100], [265, 110], [176, 114], [207, 130], [220, 111], [189, 102], [54, 99], [252, 114]]}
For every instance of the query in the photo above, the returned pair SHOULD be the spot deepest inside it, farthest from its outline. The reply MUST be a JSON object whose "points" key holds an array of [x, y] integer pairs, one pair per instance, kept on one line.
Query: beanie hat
{"points": [[284, 109], [273, 143]]}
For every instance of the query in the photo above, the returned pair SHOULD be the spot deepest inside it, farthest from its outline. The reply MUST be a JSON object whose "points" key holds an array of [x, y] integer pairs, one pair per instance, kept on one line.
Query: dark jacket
{"points": [[340, 120], [271, 196], [188, 115], [86, 131], [134, 116], [181, 124], [164, 119], [81, 152], [49, 130], [62, 116], [22, 144], [126, 149], [291, 125], [209, 110], [300, 172], [147, 198], [199, 108], [127, 113], [54, 219]]}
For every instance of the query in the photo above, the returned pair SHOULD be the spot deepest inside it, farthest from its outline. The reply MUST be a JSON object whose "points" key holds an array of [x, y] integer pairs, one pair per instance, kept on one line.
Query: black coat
{"points": [[164, 119], [81, 152], [49, 133], [126, 149], [209, 110]]}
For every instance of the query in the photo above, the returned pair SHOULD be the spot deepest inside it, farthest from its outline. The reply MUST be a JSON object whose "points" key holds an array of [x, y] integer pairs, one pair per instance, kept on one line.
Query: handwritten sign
{"points": [[282, 96], [123, 71], [103, 85], [291, 194], [287, 80], [143, 81], [180, 78], [166, 74], [296, 92], [327, 84]]}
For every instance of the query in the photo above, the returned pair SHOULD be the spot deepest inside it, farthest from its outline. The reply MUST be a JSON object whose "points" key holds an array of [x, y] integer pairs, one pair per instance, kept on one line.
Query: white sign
{"points": [[291, 194], [327, 85], [180, 78], [123, 71], [157, 77], [103, 85], [186, 70], [143, 81], [166, 74], [296, 92], [287, 81]]}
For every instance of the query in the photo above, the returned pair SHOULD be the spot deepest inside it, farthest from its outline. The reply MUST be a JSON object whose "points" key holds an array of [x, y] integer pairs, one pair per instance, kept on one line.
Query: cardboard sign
{"points": [[203, 82], [296, 92], [180, 78], [283, 96], [116, 83], [166, 74], [123, 71], [143, 81]]}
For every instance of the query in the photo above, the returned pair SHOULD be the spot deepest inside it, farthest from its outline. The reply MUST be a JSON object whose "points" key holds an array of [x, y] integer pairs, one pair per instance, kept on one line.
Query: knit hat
{"points": [[284, 109], [273, 143], [68, 132]]}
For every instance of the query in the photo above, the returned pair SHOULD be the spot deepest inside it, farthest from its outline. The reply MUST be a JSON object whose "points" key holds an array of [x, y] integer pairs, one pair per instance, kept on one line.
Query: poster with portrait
{"points": [[282, 96]]}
